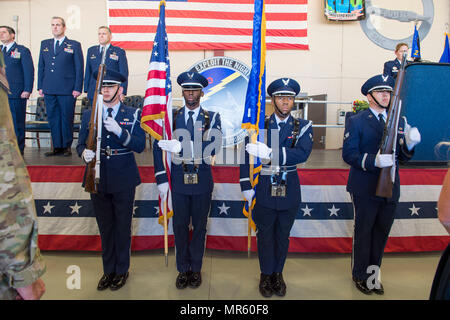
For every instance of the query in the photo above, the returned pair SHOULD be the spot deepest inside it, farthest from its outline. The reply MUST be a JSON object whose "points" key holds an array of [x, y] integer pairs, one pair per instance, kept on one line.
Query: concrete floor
{"points": [[233, 276]]}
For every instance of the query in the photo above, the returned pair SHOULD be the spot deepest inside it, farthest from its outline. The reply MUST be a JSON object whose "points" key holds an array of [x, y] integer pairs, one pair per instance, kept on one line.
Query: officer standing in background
{"points": [[278, 195], [116, 59], [191, 176], [60, 81], [119, 175], [20, 75], [392, 67], [21, 264], [374, 215]]}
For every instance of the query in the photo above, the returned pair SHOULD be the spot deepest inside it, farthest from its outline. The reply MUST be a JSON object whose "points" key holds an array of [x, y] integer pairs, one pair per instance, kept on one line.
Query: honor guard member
{"points": [[113, 204], [373, 215], [60, 81], [20, 75], [115, 59], [191, 176], [278, 196], [392, 67]]}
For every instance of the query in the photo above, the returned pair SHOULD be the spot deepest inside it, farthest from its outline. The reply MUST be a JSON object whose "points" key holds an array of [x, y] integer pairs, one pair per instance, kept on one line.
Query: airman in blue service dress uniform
{"points": [[60, 81], [392, 67], [113, 204], [278, 195], [20, 75], [116, 59], [374, 215], [195, 129]]}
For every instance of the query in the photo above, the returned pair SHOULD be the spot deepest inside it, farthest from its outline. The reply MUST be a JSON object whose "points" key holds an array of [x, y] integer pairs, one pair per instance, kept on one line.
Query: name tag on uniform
{"points": [[278, 191], [190, 178], [114, 57], [93, 57], [68, 50]]}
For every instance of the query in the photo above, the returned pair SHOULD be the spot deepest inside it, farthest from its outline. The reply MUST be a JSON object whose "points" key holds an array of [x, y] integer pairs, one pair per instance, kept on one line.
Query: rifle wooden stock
{"points": [[389, 141], [90, 185]]}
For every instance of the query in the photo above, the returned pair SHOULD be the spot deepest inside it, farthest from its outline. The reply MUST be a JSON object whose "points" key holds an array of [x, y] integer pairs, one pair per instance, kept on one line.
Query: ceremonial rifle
{"points": [[389, 141], [95, 129]]}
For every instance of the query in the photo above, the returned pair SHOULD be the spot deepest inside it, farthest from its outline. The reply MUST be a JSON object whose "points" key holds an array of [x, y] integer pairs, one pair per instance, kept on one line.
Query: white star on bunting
{"points": [[75, 208], [333, 211], [223, 209], [414, 210], [48, 208], [307, 211]]}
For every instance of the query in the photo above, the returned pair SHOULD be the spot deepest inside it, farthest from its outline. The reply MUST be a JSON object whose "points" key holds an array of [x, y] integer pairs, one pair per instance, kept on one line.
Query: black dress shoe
{"points": [[278, 284], [265, 285], [119, 281], [182, 280], [379, 291], [67, 152], [195, 280], [361, 285], [54, 152], [105, 281]]}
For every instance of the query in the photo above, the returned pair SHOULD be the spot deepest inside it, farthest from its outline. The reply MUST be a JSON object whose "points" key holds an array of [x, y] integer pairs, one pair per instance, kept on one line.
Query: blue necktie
{"points": [[190, 124], [281, 124], [382, 122], [57, 44], [110, 110]]}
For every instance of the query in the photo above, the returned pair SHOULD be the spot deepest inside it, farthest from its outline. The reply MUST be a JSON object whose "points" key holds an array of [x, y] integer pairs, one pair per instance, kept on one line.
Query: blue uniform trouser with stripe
{"points": [[60, 112], [18, 112], [114, 213], [189, 252], [374, 217], [273, 229]]}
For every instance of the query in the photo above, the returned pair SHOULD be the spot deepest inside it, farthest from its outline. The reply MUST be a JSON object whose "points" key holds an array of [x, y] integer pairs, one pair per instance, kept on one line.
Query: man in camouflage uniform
{"points": [[21, 264]]}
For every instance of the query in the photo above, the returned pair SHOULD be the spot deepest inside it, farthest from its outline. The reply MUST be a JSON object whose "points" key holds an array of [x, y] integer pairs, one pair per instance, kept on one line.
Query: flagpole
{"points": [[166, 240], [253, 139]]}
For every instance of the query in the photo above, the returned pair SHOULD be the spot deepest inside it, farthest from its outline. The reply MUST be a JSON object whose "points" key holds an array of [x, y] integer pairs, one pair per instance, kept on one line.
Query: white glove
{"points": [[112, 126], [248, 195], [163, 188], [88, 155], [259, 150], [384, 160], [412, 136], [170, 145]]}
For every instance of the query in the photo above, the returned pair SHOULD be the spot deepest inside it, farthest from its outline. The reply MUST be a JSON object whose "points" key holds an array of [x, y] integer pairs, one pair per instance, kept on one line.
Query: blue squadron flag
{"points": [[415, 50], [445, 58], [254, 112]]}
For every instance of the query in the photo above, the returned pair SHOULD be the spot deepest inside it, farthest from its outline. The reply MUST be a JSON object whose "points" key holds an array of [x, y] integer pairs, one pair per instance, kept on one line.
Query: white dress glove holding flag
{"points": [[259, 150], [88, 155], [112, 126], [412, 136], [163, 188], [170, 145], [248, 195]]}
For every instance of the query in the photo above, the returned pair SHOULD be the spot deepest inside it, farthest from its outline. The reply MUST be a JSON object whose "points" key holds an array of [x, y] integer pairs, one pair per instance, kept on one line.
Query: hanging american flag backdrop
{"points": [[324, 222], [207, 24]]}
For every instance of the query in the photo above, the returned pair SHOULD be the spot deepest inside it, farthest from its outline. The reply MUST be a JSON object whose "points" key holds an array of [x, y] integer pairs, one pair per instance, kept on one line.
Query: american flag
{"points": [[208, 24], [157, 107]]}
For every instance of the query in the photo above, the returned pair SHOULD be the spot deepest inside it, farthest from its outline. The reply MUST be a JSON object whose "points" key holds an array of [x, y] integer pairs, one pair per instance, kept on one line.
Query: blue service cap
{"points": [[192, 80], [378, 82], [283, 86], [111, 78]]}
